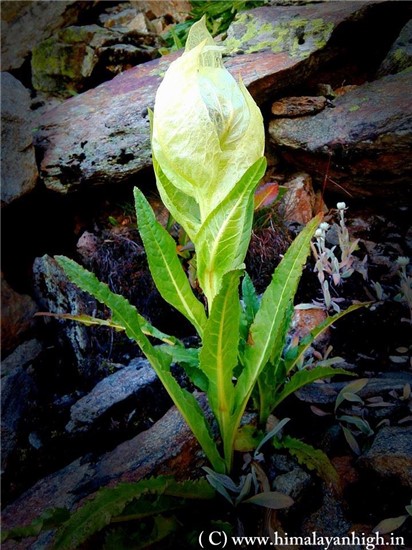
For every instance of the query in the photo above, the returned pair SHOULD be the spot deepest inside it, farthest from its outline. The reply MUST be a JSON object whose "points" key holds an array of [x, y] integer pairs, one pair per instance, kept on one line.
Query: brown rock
{"points": [[17, 316], [298, 106], [299, 201], [25, 24], [177, 9], [168, 446], [367, 136], [102, 136]]}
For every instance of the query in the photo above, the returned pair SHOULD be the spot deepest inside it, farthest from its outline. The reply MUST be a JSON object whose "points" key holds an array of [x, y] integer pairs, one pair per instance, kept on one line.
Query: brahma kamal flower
{"points": [[206, 132]]}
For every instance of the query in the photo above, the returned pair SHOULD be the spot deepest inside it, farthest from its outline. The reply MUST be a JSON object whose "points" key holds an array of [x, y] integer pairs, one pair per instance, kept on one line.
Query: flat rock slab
{"points": [[127, 382], [102, 136], [367, 135]]}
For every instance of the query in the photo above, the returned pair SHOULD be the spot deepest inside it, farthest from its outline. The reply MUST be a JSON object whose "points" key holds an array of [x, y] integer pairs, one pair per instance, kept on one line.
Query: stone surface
{"points": [[65, 62], [299, 201], [102, 136], [17, 389], [24, 354], [167, 447], [55, 294], [391, 454], [294, 484], [127, 382], [25, 24], [399, 56], [298, 106], [19, 170], [177, 9], [17, 316], [367, 136]]}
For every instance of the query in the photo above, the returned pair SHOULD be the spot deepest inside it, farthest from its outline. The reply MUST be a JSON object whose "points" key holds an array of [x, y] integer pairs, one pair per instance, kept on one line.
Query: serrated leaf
{"points": [[219, 357], [222, 241], [267, 327], [250, 299], [389, 525], [88, 320], [126, 315], [304, 377], [50, 519], [271, 499], [165, 266], [109, 503], [314, 459]]}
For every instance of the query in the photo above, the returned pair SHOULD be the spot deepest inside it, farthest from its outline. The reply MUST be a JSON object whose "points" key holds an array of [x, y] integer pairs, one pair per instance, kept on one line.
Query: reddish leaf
{"points": [[266, 195]]}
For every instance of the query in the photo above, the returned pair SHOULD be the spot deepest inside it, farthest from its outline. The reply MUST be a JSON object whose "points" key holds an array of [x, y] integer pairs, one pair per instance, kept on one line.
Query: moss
{"points": [[299, 37], [354, 108]]}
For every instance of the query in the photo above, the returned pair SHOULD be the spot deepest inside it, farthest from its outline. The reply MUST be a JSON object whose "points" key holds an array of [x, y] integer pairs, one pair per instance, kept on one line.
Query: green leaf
{"points": [[271, 499], [109, 503], [303, 378], [223, 238], [165, 266], [351, 388], [350, 439], [126, 315], [48, 520], [313, 459], [250, 299], [294, 354], [89, 321], [187, 214], [268, 326], [188, 358], [218, 356]]}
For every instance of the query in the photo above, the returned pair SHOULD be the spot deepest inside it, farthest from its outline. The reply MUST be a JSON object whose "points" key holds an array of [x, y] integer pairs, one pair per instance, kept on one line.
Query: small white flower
{"points": [[402, 261], [324, 226], [319, 232], [341, 206]]}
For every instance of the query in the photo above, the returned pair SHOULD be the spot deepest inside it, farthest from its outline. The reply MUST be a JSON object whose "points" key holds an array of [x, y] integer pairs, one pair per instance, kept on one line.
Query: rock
{"points": [[17, 316], [178, 10], [367, 137], [55, 294], [169, 444], [127, 19], [299, 202], [25, 24], [294, 483], [399, 56], [102, 135], [391, 454], [298, 106], [19, 170], [24, 354], [18, 388], [329, 520], [127, 382], [305, 320], [65, 62]]}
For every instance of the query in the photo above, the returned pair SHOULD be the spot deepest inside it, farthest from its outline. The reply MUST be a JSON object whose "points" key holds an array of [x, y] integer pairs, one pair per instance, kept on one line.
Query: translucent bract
{"points": [[207, 129]]}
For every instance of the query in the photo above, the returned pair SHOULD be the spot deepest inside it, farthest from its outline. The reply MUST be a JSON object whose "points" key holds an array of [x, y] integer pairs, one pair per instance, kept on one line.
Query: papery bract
{"points": [[207, 129]]}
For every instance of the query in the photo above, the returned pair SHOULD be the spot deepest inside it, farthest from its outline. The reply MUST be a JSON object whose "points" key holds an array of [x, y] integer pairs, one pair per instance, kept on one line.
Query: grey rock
{"points": [[55, 294], [19, 170], [399, 56], [391, 454], [368, 134], [25, 24], [294, 483], [18, 388], [169, 443], [127, 382], [22, 356]]}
